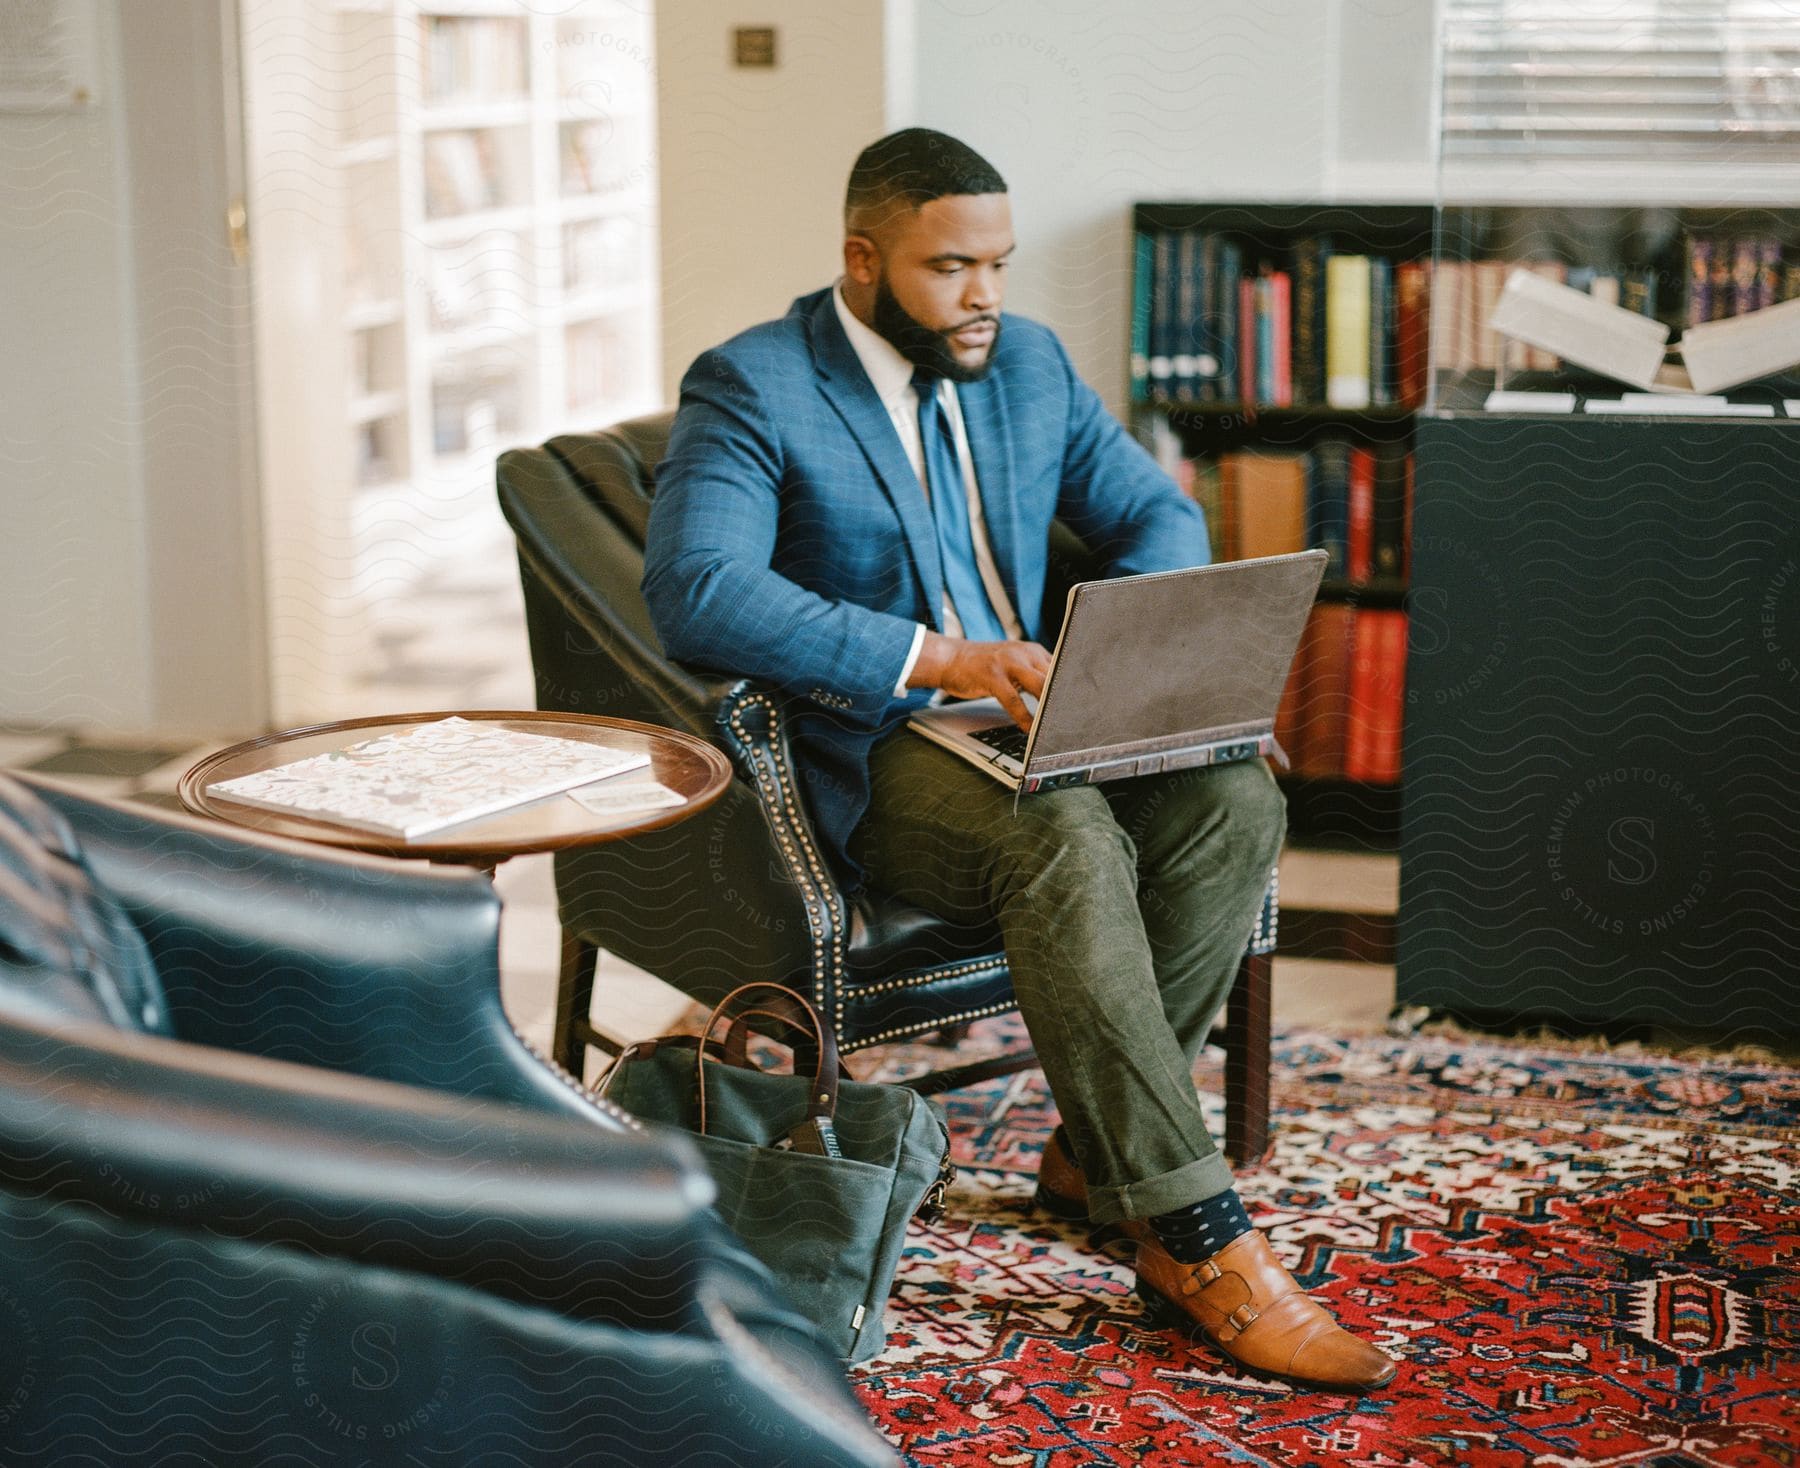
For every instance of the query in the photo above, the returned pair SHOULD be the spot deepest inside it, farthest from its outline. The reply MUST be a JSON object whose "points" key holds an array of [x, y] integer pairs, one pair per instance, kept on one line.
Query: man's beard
{"points": [[922, 346]]}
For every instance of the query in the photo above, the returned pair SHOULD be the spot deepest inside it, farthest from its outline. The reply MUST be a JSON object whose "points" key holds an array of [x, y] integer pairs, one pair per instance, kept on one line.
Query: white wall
{"points": [[72, 576], [202, 550], [129, 583], [751, 163], [1386, 74], [1084, 108]]}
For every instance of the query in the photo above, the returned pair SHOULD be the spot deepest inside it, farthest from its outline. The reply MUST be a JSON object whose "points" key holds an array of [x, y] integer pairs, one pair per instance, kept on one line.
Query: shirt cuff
{"points": [[912, 658]]}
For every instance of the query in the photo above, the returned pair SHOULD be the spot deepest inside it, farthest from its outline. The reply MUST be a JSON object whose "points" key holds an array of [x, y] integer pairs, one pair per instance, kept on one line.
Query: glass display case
{"points": [[1636, 161], [1676, 266], [1600, 690]]}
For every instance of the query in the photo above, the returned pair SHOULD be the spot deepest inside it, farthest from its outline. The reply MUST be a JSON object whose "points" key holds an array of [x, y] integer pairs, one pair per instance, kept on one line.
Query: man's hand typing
{"points": [[1002, 670]]}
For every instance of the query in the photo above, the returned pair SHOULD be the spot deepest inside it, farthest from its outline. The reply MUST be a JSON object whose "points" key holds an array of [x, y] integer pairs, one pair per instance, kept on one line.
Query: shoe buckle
{"points": [[1242, 1318], [1201, 1275]]}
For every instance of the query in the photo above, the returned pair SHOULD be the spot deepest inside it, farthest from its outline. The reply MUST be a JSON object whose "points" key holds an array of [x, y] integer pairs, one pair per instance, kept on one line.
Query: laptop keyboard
{"points": [[1004, 739]]}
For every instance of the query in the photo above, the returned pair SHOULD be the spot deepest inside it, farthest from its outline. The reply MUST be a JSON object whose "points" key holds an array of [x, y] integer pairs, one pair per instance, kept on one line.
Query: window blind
{"points": [[1696, 79]]}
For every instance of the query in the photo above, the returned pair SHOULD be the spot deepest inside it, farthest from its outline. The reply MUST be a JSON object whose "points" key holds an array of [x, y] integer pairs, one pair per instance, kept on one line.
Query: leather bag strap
{"points": [[602, 1083], [777, 1001], [783, 1026]]}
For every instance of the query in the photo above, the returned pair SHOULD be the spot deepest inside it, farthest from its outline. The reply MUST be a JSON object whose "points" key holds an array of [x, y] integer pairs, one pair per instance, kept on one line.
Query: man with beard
{"points": [[856, 507]]}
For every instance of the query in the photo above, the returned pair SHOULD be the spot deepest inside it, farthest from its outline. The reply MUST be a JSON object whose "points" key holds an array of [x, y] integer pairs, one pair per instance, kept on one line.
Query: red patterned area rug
{"points": [[1579, 1260]]}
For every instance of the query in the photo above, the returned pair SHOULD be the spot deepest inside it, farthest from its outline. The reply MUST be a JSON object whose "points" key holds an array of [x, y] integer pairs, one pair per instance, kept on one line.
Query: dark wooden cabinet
{"points": [[1601, 814]]}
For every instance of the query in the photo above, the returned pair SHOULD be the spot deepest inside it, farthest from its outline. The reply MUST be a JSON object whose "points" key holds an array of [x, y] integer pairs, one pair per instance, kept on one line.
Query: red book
{"points": [[1324, 696], [1390, 698], [1406, 532], [1247, 340], [1359, 540], [1412, 330], [1360, 714], [1281, 293], [1291, 714]]}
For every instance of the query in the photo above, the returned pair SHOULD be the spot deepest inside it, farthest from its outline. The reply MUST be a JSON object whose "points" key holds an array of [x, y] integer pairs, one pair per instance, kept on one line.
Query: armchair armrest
{"points": [[751, 727], [753, 732], [527, 1241], [256, 1149], [386, 969]]}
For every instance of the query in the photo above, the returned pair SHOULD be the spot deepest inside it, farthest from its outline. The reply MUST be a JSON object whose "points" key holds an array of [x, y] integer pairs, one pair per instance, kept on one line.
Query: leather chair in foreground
{"points": [[743, 892], [279, 1183]]}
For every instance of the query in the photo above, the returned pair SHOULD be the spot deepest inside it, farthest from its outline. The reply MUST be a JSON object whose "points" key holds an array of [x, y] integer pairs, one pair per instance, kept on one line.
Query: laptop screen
{"points": [[1182, 656]]}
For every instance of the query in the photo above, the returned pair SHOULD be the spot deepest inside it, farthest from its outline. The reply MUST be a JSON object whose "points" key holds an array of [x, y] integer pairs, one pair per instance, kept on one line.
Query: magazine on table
{"points": [[427, 779]]}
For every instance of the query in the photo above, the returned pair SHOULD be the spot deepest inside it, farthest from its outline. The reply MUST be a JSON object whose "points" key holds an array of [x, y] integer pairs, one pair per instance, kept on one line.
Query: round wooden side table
{"points": [[690, 767]]}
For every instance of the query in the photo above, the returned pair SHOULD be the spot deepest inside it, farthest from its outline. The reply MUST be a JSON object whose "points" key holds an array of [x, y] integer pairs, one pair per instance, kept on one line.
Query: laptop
{"points": [[1168, 671]]}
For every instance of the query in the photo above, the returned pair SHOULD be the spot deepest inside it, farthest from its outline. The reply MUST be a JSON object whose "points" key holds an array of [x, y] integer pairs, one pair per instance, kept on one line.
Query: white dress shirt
{"points": [[891, 375]]}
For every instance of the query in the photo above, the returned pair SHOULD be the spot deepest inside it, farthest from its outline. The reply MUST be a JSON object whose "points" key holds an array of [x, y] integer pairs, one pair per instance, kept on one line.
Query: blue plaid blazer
{"points": [[790, 541]]}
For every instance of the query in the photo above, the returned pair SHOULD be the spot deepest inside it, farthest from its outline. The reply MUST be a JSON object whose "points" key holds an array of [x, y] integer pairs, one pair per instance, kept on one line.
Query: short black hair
{"points": [[913, 167]]}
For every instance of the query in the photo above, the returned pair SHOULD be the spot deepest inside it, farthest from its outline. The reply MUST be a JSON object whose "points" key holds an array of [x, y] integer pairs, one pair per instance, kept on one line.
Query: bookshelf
{"points": [[455, 232], [1233, 388]]}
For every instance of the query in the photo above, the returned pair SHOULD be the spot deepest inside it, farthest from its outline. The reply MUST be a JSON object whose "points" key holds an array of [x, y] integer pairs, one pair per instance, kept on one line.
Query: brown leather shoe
{"points": [[1250, 1308], [1062, 1192]]}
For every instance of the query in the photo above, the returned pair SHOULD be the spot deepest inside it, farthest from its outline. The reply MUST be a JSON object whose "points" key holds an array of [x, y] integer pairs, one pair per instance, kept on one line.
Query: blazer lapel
{"points": [[847, 388], [990, 446]]}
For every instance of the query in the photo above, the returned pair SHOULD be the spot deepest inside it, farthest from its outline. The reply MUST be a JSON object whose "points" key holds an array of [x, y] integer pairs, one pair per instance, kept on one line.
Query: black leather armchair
{"points": [[746, 893], [279, 1182]]}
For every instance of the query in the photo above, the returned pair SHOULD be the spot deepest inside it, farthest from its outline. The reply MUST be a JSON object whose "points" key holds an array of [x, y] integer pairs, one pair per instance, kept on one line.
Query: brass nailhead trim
{"points": [[931, 976], [823, 920], [930, 1024], [605, 1107]]}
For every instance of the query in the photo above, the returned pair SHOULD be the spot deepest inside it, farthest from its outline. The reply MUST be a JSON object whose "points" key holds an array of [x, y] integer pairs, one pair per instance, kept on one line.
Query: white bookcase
{"points": [[452, 215]]}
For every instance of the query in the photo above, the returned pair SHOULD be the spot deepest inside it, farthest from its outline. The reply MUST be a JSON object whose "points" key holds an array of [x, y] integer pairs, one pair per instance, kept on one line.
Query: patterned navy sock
{"points": [[1202, 1229]]}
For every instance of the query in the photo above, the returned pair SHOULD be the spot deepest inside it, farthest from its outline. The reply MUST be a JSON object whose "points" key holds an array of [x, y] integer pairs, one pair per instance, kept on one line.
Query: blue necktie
{"points": [[950, 509]]}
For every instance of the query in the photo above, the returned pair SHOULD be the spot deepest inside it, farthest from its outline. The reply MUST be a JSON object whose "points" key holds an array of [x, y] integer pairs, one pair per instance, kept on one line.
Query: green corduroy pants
{"points": [[1124, 908]]}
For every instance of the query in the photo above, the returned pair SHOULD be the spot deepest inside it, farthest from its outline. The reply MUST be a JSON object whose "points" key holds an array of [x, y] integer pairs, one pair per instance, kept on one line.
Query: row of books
{"points": [[1354, 501], [594, 358], [590, 162], [1345, 700], [474, 58], [1311, 327], [1213, 322], [1733, 277], [602, 252], [377, 450], [471, 413], [1465, 292], [462, 173]]}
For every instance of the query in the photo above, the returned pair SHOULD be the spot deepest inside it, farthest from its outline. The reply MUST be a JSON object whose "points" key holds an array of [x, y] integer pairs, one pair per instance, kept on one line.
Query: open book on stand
{"points": [[429, 778], [1575, 326]]}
